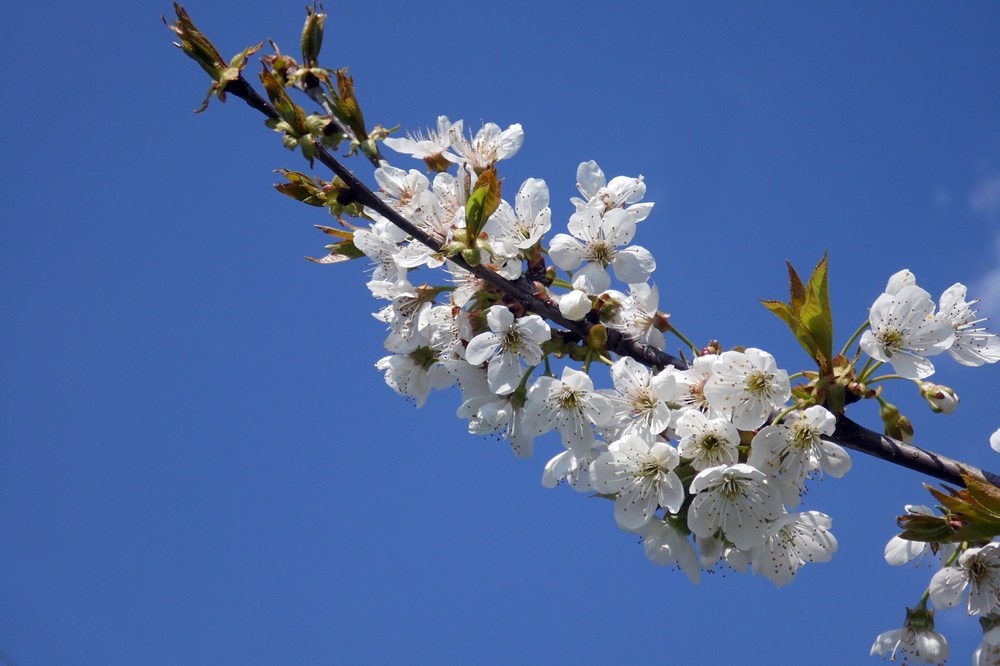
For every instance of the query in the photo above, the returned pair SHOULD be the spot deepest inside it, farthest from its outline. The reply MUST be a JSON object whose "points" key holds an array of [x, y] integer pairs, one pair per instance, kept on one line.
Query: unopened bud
{"points": [[437, 162], [713, 347], [575, 305], [896, 425], [942, 399], [312, 36]]}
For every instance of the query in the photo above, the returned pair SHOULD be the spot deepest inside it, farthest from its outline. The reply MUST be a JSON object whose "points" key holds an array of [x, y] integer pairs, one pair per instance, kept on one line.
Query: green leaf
{"points": [[339, 252], [347, 104], [929, 529], [475, 209], [333, 231], [785, 313], [816, 314], [796, 290], [986, 495], [482, 203]]}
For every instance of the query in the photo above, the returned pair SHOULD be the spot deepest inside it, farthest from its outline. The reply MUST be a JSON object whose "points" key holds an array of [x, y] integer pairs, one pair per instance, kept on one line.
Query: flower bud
{"points": [[575, 305], [941, 398], [896, 425]]}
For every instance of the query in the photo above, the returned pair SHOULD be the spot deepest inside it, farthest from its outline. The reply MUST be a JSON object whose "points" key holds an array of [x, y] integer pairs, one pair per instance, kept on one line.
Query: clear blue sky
{"points": [[199, 463]]}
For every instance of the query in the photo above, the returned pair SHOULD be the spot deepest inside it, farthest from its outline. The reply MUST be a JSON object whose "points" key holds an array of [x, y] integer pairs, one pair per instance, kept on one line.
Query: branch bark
{"points": [[848, 434]]}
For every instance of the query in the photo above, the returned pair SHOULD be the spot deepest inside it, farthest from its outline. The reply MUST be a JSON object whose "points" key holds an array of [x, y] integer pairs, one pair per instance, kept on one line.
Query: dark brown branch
{"points": [[853, 436], [848, 433]]}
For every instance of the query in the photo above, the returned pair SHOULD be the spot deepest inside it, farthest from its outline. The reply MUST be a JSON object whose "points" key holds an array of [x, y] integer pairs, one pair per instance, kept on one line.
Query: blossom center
{"points": [[512, 340], [601, 251], [569, 398], [649, 469], [758, 383], [710, 442], [892, 340], [803, 435], [606, 197]]}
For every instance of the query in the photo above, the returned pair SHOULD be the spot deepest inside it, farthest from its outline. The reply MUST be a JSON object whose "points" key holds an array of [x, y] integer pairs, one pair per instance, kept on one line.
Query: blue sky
{"points": [[199, 463]]}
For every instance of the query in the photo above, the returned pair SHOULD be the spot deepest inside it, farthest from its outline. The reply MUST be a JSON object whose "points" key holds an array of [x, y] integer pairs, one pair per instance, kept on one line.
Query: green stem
{"points": [[559, 282], [782, 414], [683, 339], [880, 378], [865, 374], [854, 338]]}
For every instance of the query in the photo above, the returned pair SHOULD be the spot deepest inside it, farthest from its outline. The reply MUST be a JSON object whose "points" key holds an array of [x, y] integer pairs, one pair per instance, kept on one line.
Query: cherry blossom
{"points": [[973, 345], [707, 442], [747, 386], [598, 239], [570, 405], [790, 542], [642, 478], [733, 499], [904, 330], [505, 345], [979, 570]]}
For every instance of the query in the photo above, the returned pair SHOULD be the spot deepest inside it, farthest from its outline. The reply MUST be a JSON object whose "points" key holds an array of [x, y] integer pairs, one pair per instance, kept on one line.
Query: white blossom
{"points": [[979, 570], [505, 345], [665, 546], [575, 305], [400, 188], [487, 147], [707, 442], [790, 542], [570, 405], [424, 146], [927, 645], [904, 330], [747, 386], [641, 476], [733, 499], [413, 377], [636, 315], [567, 466], [599, 240], [973, 345], [640, 399], [621, 192], [795, 448]]}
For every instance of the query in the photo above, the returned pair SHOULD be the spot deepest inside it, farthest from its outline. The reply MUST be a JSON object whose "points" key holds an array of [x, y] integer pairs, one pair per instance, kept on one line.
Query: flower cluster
{"points": [[705, 463]]}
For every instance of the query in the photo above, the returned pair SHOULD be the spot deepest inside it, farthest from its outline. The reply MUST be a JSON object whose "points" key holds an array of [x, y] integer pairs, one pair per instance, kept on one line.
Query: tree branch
{"points": [[847, 434]]}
